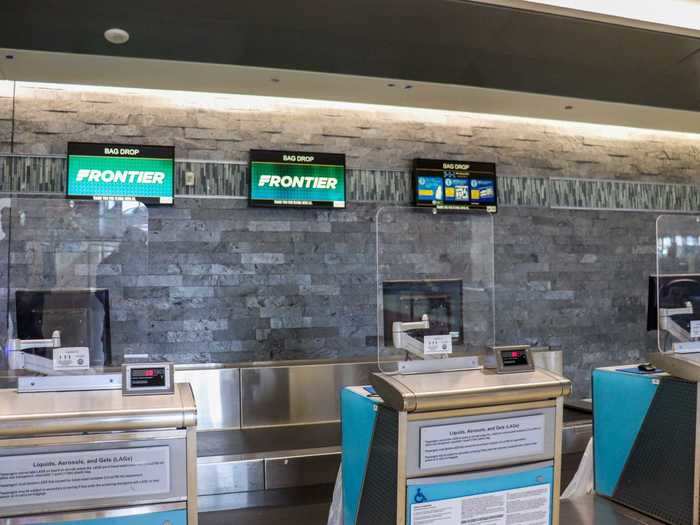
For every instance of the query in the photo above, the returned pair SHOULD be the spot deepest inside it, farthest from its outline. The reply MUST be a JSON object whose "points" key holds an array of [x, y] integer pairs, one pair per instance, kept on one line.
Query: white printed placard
{"points": [[694, 329], [481, 441], [526, 506], [71, 358], [437, 344], [90, 474]]}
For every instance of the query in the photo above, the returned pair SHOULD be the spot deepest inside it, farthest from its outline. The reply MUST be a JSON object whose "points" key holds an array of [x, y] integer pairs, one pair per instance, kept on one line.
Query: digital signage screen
{"points": [[121, 172], [455, 185], [296, 179]]}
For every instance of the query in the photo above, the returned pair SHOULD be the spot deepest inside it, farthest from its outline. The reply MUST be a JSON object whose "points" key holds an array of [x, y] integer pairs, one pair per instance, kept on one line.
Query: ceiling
{"points": [[443, 43]]}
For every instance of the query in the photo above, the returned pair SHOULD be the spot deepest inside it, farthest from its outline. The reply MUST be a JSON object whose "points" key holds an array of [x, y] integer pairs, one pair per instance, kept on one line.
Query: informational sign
{"points": [[437, 344], [481, 441], [296, 179], [455, 185], [527, 505], [694, 329], [121, 172], [71, 358], [93, 474]]}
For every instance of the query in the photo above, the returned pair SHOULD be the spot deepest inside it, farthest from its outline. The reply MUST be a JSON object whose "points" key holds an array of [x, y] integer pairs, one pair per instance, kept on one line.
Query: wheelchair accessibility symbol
{"points": [[419, 497]]}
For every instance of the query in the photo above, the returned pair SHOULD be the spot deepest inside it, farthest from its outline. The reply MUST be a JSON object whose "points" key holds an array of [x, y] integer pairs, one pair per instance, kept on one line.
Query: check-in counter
{"points": [[453, 447], [98, 457], [269, 433]]}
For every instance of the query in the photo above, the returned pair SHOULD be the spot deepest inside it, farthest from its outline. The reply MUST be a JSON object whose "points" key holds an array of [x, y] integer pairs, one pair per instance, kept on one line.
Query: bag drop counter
{"points": [[443, 447], [645, 416], [98, 457], [646, 452]]}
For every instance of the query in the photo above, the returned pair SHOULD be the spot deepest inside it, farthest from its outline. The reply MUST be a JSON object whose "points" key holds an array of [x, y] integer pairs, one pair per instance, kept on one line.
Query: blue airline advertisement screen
{"points": [[455, 185]]}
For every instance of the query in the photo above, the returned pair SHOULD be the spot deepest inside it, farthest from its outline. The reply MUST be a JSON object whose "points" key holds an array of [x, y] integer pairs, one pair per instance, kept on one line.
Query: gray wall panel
{"points": [[228, 283]]}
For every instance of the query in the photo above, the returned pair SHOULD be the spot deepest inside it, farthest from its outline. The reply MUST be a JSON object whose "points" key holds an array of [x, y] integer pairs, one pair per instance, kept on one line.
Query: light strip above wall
{"points": [[677, 13], [334, 88], [677, 16], [231, 102]]}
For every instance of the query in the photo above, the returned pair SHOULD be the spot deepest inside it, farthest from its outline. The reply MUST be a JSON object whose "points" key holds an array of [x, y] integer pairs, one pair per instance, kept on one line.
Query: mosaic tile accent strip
{"points": [[5, 165], [212, 178], [36, 174], [397, 186], [361, 184], [607, 194], [523, 191], [33, 174], [379, 186]]}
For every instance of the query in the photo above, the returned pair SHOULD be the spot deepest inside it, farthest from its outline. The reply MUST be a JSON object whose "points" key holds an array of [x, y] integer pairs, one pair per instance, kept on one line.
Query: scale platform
{"points": [[465, 389], [684, 366]]}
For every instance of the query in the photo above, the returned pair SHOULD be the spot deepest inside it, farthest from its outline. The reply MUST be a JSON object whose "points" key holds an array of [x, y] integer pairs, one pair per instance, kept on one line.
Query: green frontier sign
{"points": [[279, 178], [120, 172]]}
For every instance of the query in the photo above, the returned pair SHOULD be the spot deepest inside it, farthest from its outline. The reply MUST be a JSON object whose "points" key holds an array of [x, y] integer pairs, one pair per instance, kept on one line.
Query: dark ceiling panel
{"points": [[444, 41]]}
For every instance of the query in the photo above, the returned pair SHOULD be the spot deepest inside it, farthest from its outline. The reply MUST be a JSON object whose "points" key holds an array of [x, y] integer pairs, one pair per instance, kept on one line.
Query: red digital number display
{"points": [[514, 358]]}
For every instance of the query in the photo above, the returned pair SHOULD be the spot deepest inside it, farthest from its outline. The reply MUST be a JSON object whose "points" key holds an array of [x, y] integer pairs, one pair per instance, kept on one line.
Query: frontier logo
{"points": [[286, 181], [123, 177]]}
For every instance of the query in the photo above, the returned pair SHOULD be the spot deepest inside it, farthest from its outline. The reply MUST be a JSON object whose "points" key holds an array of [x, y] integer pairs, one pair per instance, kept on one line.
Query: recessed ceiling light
{"points": [[116, 36]]}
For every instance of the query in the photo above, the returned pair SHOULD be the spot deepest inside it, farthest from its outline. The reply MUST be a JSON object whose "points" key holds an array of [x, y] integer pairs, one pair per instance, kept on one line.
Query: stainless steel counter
{"points": [[92, 427], [594, 510], [102, 411], [465, 389], [288, 508]]}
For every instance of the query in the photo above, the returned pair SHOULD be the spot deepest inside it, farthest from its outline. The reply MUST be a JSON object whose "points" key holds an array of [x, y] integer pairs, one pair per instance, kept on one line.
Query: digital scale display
{"points": [[510, 360], [514, 358], [147, 377]]}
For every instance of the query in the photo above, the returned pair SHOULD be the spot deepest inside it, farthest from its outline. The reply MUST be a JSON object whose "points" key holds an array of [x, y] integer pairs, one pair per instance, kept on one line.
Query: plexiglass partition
{"points": [[674, 292], [71, 266], [435, 287]]}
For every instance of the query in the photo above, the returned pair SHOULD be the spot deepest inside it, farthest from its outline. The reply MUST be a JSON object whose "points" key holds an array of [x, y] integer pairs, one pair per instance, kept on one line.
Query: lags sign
{"points": [[281, 178], [120, 172]]}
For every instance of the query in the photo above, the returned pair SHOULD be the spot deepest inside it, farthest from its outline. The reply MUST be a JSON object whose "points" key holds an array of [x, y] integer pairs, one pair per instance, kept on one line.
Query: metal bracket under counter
{"points": [[268, 471]]}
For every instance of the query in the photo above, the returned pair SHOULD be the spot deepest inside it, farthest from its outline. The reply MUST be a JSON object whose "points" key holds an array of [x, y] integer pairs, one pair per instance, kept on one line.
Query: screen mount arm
{"points": [[667, 323], [18, 359], [403, 341], [19, 345]]}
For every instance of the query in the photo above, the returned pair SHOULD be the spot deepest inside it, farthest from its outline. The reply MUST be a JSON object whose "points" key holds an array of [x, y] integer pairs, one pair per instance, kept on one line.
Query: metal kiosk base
{"points": [[453, 446], [645, 436], [98, 457]]}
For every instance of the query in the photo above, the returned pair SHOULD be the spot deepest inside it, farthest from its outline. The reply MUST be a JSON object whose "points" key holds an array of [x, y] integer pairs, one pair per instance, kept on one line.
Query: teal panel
{"points": [[358, 414], [620, 403], [491, 482], [175, 517]]}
